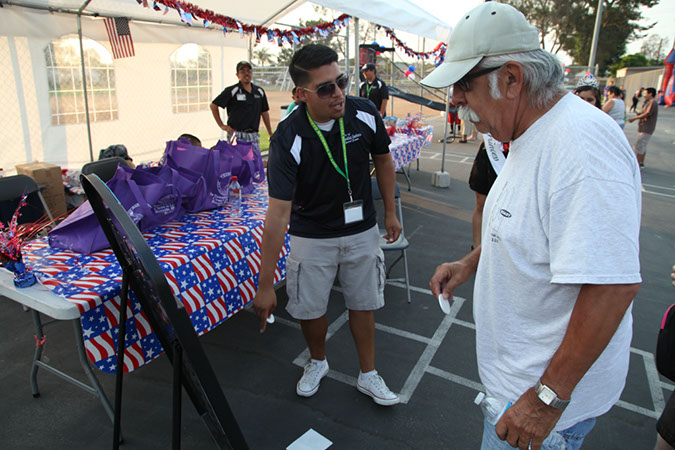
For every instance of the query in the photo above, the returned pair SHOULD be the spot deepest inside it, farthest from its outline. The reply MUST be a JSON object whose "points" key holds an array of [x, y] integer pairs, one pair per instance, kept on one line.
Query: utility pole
{"points": [[596, 33]]}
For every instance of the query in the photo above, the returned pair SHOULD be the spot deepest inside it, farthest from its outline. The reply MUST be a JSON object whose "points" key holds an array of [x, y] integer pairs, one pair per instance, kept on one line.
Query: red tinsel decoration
{"points": [[234, 25], [438, 52]]}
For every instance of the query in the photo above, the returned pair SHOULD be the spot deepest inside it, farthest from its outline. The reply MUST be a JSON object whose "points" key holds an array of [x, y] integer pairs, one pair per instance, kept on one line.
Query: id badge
{"points": [[353, 211], [241, 97]]}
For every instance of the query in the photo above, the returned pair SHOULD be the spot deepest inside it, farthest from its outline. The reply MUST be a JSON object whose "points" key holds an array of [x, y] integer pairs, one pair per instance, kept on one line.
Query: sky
{"points": [[450, 12], [663, 14]]}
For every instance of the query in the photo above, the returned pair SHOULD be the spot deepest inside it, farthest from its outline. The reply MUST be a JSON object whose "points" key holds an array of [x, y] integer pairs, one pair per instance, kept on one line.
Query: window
{"points": [[64, 74], [190, 79]]}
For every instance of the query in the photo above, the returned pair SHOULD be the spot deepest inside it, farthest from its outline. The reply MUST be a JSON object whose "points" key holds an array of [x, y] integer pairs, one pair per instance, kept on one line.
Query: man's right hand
{"points": [[264, 303], [448, 276]]}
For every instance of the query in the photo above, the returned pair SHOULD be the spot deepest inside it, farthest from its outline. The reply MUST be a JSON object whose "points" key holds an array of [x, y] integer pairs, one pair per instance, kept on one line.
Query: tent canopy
{"points": [[400, 15]]}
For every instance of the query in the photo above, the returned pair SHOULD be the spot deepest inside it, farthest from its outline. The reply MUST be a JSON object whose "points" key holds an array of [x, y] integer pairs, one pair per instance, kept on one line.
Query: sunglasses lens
{"points": [[342, 81], [326, 90]]}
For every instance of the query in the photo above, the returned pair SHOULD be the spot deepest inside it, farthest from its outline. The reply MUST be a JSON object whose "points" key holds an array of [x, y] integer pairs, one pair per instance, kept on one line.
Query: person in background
{"points": [[118, 150], [647, 124], [374, 89], [194, 140], [623, 93], [292, 105], [319, 178], [245, 103], [587, 88], [605, 91], [559, 266], [636, 99], [615, 106], [481, 179]]}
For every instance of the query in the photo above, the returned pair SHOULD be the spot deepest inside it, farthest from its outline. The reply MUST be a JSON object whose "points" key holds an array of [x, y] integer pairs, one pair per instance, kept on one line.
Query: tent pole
{"points": [[424, 40], [357, 57], [393, 54], [84, 77], [347, 66], [445, 132]]}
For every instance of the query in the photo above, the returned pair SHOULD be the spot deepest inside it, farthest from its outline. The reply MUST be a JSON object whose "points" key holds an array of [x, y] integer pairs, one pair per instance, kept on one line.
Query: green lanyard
{"points": [[345, 174], [368, 88]]}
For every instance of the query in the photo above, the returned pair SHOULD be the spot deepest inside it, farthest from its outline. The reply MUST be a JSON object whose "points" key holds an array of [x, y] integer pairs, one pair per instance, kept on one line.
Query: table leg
{"points": [[95, 388], [37, 323]]}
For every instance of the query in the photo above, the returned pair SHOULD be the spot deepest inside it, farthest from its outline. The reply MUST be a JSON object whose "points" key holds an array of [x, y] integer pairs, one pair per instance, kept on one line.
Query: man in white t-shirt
{"points": [[558, 265]]}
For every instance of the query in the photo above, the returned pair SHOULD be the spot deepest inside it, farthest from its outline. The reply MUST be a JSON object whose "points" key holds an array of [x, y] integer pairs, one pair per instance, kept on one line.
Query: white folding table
{"points": [[40, 300]]}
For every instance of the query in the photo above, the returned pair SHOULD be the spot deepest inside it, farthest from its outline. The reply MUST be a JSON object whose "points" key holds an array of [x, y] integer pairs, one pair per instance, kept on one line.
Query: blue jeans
{"points": [[574, 436]]}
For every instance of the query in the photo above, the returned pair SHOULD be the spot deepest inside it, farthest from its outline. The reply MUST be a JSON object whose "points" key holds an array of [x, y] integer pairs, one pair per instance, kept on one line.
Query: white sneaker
{"points": [[375, 386], [309, 383]]}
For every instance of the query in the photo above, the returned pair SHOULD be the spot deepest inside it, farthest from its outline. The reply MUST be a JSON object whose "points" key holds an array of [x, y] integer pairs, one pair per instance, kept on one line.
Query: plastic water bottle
{"points": [[494, 408], [235, 197]]}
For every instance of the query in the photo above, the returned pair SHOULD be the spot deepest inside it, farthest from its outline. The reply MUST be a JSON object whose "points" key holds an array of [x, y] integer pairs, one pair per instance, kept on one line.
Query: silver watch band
{"points": [[549, 397]]}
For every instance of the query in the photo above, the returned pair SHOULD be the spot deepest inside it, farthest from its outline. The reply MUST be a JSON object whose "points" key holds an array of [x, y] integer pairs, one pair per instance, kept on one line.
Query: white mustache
{"points": [[466, 113]]}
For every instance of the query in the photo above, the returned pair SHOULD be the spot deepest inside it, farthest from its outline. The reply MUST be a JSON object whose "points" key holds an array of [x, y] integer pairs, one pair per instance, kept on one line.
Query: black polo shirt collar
{"points": [[305, 128]]}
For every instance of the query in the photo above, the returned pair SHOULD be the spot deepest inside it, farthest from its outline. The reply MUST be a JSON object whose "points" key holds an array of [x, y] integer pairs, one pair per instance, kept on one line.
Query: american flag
{"points": [[120, 37]]}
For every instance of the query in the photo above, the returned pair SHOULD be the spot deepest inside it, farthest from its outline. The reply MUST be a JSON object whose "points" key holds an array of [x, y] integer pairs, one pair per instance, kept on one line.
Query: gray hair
{"points": [[542, 75]]}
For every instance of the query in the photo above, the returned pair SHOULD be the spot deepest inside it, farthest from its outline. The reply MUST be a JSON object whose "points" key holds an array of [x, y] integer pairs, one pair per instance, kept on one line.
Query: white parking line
{"points": [[423, 366]]}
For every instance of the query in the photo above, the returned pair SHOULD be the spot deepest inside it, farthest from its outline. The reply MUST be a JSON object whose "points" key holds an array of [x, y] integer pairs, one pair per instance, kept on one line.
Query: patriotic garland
{"points": [[188, 12], [438, 52]]}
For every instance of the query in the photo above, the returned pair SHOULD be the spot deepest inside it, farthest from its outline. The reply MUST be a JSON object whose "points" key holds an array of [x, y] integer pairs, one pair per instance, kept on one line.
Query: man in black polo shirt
{"points": [[318, 177], [374, 89], [245, 103]]}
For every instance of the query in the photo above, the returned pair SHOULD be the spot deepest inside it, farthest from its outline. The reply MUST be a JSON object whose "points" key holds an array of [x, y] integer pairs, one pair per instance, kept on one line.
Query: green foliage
{"points": [[569, 25], [634, 60]]}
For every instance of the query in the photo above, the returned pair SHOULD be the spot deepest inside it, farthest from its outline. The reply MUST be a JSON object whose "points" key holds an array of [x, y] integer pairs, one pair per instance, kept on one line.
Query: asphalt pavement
{"points": [[426, 356]]}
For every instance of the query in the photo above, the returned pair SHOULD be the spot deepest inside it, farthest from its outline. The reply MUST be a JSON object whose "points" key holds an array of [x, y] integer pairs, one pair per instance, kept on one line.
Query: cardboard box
{"points": [[48, 175]]}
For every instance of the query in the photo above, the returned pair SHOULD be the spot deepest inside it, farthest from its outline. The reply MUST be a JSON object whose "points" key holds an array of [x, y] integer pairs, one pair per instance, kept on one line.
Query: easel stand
{"points": [[119, 376]]}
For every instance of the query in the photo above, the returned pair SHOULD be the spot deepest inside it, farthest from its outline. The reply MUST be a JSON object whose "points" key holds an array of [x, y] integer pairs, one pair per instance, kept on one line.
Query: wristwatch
{"points": [[549, 397]]}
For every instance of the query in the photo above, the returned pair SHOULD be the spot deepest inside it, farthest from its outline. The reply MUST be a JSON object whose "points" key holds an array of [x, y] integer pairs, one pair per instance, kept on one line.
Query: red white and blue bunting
{"points": [[438, 52], [190, 13]]}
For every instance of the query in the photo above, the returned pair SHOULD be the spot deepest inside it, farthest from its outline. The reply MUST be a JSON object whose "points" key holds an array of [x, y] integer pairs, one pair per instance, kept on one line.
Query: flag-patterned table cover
{"points": [[211, 261], [405, 148]]}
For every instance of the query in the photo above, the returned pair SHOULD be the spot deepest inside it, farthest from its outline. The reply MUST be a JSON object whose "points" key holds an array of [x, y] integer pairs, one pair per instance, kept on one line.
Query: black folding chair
{"points": [[11, 190], [167, 316], [104, 168]]}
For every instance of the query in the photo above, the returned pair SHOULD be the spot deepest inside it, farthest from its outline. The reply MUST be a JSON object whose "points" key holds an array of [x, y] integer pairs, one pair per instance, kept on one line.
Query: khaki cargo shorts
{"points": [[641, 143], [311, 267]]}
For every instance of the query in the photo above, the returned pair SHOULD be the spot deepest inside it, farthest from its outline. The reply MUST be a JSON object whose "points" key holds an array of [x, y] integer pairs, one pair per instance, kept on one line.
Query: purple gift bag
{"points": [[245, 161], [209, 164], [191, 185], [80, 232], [149, 201]]}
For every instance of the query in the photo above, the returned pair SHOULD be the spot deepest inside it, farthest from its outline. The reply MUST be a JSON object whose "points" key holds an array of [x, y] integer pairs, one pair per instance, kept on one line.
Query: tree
{"points": [[653, 47], [284, 56], [569, 25], [634, 60], [263, 57]]}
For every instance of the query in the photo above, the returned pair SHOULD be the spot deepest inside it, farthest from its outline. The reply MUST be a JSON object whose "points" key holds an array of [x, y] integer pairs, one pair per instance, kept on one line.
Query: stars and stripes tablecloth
{"points": [[405, 148], [211, 261]]}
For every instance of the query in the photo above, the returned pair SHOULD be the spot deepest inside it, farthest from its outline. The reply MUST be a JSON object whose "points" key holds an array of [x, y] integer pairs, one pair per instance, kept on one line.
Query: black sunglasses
{"points": [[325, 90], [463, 84]]}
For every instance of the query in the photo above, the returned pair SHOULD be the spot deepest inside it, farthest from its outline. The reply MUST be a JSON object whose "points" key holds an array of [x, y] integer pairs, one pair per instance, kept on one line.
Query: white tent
{"points": [[140, 106]]}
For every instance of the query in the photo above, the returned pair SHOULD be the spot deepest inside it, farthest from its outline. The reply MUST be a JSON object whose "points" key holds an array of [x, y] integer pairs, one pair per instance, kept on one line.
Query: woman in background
{"points": [[587, 89]]}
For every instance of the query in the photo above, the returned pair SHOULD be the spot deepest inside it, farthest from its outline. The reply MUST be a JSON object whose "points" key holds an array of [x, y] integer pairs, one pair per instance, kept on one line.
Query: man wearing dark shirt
{"points": [[374, 89], [245, 103], [318, 175], [646, 124]]}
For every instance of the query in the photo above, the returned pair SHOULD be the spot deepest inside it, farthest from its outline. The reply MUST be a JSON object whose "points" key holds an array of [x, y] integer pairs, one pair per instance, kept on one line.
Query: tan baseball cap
{"points": [[489, 29]]}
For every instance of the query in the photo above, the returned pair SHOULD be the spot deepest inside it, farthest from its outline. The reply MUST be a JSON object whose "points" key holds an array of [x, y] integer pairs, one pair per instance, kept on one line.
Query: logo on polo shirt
{"points": [[349, 138]]}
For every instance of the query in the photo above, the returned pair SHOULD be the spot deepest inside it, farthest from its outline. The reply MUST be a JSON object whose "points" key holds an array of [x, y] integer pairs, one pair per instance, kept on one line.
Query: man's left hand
{"points": [[528, 420], [393, 227]]}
